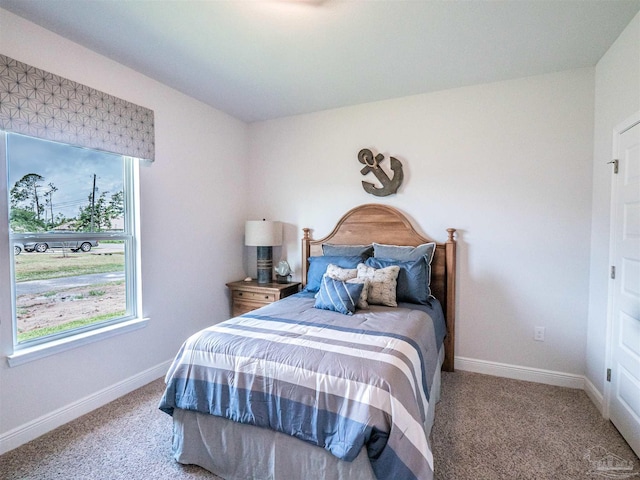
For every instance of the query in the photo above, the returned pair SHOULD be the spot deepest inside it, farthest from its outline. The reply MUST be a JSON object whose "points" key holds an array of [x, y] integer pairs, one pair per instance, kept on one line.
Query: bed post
{"points": [[306, 251], [450, 308]]}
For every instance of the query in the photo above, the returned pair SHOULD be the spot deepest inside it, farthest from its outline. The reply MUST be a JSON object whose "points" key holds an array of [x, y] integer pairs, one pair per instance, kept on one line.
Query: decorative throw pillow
{"points": [[365, 251], [408, 254], [413, 285], [318, 266], [382, 284], [339, 273], [362, 301], [338, 296]]}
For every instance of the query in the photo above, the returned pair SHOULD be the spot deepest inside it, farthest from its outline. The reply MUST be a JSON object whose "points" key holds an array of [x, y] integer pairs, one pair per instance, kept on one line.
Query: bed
{"points": [[304, 389]]}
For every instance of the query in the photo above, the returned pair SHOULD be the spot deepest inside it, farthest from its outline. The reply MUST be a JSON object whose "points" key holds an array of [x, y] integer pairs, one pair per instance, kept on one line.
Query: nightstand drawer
{"points": [[249, 295], [242, 307], [267, 297]]}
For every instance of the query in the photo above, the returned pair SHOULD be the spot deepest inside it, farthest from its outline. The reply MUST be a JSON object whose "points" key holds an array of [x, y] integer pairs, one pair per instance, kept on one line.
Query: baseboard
{"points": [[35, 428], [529, 374], [596, 397]]}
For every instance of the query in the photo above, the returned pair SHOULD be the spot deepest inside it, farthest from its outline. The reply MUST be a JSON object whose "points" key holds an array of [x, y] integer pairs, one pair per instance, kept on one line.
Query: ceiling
{"points": [[260, 59]]}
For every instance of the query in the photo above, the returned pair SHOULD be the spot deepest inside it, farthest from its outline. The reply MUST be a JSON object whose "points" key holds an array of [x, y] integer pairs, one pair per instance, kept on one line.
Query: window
{"points": [[72, 219]]}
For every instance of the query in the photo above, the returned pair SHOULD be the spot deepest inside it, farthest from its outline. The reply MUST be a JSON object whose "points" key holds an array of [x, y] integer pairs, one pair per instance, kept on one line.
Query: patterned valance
{"points": [[43, 105]]}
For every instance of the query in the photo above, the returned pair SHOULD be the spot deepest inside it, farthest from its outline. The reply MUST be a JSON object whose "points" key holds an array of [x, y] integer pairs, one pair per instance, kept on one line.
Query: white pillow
{"points": [[382, 284], [343, 274]]}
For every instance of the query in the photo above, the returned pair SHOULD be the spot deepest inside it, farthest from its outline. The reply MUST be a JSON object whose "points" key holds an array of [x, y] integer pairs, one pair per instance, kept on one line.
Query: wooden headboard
{"points": [[383, 224]]}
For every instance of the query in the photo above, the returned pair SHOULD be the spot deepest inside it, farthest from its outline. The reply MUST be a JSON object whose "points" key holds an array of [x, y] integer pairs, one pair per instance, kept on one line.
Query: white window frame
{"points": [[49, 345]]}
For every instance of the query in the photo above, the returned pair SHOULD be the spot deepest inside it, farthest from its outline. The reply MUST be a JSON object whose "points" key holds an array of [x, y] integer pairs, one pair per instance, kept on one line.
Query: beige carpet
{"points": [[496, 428], [486, 428]]}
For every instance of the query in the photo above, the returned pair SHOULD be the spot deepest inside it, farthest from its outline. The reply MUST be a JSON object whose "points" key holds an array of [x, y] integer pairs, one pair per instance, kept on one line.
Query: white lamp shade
{"points": [[262, 233]]}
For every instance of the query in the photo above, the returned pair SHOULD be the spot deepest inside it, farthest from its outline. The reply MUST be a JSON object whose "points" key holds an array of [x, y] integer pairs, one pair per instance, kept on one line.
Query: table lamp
{"points": [[264, 235]]}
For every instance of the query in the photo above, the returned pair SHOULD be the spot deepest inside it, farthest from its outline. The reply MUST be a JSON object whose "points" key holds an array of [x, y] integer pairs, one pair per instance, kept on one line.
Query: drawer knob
{"points": [[240, 294]]}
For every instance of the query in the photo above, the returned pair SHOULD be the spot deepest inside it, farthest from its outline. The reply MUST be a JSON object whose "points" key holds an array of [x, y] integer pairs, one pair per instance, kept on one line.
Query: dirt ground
{"points": [[44, 310]]}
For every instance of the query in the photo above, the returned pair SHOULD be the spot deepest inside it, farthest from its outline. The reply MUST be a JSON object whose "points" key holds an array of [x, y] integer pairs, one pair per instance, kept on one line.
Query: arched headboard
{"points": [[383, 224]]}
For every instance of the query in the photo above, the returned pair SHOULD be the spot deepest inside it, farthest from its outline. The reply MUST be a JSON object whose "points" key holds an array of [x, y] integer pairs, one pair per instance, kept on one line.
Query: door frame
{"points": [[619, 129]]}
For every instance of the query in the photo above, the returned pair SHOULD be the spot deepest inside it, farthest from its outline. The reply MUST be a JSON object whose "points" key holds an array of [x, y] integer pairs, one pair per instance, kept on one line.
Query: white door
{"points": [[624, 392]]}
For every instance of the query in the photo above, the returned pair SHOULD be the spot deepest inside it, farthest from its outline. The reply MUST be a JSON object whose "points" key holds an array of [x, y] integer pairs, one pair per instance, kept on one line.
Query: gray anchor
{"points": [[372, 163]]}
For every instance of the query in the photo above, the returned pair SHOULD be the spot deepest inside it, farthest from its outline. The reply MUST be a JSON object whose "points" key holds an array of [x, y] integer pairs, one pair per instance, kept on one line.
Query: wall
{"points": [[508, 164], [617, 97], [190, 245]]}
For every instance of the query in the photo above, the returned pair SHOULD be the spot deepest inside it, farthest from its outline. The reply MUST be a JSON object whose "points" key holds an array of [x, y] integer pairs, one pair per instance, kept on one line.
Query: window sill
{"points": [[37, 352]]}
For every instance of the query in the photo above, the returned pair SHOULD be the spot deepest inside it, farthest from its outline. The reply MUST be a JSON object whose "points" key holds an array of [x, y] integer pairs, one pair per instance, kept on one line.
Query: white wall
{"points": [[508, 164], [617, 97], [192, 209]]}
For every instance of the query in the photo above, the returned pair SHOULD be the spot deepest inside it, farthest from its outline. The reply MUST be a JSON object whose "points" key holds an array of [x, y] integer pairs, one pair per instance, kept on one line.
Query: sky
{"points": [[70, 169]]}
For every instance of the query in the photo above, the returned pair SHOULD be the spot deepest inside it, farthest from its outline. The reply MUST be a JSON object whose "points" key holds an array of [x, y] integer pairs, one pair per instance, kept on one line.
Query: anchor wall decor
{"points": [[372, 164]]}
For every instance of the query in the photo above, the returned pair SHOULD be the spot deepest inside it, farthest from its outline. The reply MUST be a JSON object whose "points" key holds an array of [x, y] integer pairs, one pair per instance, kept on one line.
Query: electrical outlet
{"points": [[538, 334]]}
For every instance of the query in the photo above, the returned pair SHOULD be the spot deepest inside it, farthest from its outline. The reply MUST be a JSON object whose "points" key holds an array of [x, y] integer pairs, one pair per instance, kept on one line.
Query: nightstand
{"points": [[247, 296]]}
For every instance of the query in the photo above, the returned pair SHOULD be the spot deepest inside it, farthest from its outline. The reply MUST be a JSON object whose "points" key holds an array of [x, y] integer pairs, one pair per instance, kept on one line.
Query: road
{"points": [[41, 286]]}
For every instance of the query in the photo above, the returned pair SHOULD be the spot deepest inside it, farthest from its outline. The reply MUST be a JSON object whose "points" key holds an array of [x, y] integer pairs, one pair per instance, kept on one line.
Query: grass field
{"points": [[67, 308], [57, 264], [52, 330]]}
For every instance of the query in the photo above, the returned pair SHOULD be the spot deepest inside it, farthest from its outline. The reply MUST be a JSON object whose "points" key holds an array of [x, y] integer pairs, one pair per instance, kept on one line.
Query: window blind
{"points": [[43, 105]]}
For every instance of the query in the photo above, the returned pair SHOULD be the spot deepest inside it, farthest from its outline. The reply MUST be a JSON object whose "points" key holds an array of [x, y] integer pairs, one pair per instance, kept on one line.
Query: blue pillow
{"points": [[318, 265], [413, 284], [408, 254], [338, 296], [365, 251], [403, 253]]}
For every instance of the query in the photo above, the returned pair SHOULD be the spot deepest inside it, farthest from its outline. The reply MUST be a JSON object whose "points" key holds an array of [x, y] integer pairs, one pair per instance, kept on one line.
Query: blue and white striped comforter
{"points": [[336, 381]]}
